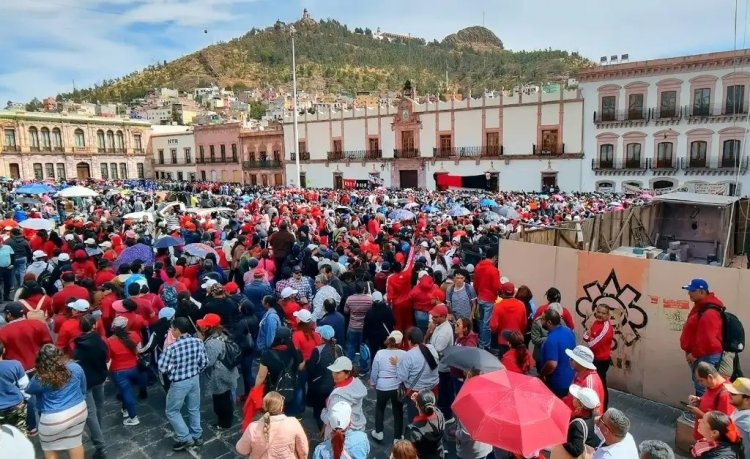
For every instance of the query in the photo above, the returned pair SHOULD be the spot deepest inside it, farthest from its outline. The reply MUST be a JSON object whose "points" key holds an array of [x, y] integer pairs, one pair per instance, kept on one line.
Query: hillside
{"points": [[330, 57]]}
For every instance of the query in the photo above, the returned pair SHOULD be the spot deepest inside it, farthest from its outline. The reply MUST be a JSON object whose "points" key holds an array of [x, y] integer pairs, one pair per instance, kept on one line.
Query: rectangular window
{"points": [[606, 156], [664, 155], [446, 143], [633, 156], [234, 152], [113, 171], [188, 155], [702, 102], [730, 153], [668, 104], [203, 176], [173, 154], [137, 142], [493, 143], [124, 171], [302, 146], [698, 153], [337, 148], [608, 108], [105, 171], [735, 100], [180, 176], [38, 173], [635, 107], [141, 173], [223, 150], [10, 138], [211, 153], [160, 152], [201, 154], [407, 141], [374, 144], [61, 171], [253, 179], [49, 170]]}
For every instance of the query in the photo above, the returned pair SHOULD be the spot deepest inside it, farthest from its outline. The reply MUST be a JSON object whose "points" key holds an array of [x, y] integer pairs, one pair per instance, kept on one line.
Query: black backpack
{"points": [[286, 385], [232, 354], [732, 333], [46, 280]]}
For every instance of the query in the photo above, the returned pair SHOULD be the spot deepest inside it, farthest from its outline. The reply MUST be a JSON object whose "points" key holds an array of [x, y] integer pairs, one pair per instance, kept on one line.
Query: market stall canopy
{"points": [[35, 188], [37, 224], [696, 198]]}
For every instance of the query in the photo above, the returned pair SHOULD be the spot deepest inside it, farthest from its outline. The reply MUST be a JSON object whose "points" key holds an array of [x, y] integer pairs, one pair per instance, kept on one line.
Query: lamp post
{"points": [[294, 105]]}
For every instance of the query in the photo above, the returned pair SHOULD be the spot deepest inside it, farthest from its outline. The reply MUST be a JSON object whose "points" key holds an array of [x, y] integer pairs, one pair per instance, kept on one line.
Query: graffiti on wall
{"points": [[622, 300]]}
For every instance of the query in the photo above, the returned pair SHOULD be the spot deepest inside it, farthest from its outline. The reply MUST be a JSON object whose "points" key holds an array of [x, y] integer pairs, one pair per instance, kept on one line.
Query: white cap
{"points": [[106, 244], [287, 292], [89, 241], [397, 336], [425, 244], [39, 254], [303, 315], [63, 257], [341, 364], [377, 296], [69, 237], [340, 415], [504, 280], [587, 397], [312, 246], [470, 268], [210, 282], [582, 355], [79, 305]]}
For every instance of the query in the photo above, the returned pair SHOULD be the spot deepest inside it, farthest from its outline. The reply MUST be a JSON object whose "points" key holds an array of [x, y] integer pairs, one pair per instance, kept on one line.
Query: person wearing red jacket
{"points": [[702, 335], [397, 289], [70, 328], [509, 314], [83, 267], [487, 286], [422, 299], [69, 290], [553, 296], [599, 339]]}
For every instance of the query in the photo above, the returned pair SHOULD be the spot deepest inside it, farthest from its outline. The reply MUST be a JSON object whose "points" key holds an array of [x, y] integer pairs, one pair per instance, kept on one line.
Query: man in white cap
{"points": [[39, 265], [92, 249], [582, 361]]}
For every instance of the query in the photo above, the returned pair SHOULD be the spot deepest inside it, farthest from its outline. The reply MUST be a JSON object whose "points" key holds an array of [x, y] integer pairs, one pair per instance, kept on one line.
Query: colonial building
{"points": [[668, 122], [262, 155], [518, 140], [173, 152], [218, 152], [37, 146]]}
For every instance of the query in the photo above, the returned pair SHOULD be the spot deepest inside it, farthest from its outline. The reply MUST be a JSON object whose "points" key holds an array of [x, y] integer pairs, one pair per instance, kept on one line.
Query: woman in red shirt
{"points": [[518, 358], [127, 308], [553, 296], [123, 348], [305, 338], [32, 296], [83, 268]]}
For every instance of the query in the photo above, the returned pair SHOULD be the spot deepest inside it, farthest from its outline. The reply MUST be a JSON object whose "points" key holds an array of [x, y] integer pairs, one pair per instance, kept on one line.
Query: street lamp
{"points": [[292, 31]]}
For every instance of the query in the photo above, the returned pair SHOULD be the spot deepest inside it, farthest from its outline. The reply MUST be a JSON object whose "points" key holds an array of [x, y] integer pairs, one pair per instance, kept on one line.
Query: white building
{"points": [[519, 141], [668, 122], [161, 115], [173, 151]]}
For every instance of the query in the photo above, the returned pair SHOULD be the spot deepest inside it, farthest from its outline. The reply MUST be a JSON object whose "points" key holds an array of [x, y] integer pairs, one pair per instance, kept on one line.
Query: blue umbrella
{"points": [[487, 202], [401, 215], [459, 212], [141, 252], [35, 188], [429, 209], [168, 241]]}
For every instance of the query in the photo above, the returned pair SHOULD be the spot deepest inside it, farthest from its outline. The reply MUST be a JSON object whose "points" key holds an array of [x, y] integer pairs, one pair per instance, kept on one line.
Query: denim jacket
{"points": [[268, 325]]}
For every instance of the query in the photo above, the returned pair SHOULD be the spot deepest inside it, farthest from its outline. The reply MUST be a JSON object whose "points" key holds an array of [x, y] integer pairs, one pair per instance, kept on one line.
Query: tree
{"points": [[34, 106], [368, 32], [257, 110]]}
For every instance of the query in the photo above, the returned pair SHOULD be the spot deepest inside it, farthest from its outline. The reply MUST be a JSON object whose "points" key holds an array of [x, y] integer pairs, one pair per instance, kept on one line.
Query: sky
{"points": [[48, 46]]}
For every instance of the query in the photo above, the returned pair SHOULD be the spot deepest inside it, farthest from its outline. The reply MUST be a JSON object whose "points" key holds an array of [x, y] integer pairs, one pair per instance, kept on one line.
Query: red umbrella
{"points": [[512, 411]]}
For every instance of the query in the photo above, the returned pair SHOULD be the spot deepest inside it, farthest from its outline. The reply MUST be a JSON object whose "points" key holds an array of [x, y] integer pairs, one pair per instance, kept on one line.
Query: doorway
{"points": [[408, 179], [278, 180], [83, 171], [549, 182], [338, 181], [15, 172], [302, 180]]}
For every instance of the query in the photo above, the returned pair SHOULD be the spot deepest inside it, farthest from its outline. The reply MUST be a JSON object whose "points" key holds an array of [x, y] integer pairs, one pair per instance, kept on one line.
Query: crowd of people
{"points": [[275, 301]]}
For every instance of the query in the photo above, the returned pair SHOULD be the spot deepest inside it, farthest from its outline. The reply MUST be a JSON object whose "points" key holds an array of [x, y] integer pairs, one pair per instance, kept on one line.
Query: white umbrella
{"points": [[139, 216], [37, 224], [77, 192]]}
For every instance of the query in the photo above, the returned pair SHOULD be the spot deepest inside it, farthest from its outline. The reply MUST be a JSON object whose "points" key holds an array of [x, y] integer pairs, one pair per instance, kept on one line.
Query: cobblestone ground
{"points": [[153, 437]]}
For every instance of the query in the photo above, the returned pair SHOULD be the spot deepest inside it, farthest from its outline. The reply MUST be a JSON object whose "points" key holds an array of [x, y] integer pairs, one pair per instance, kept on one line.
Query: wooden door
{"points": [[408, 179], [338, 182], [83, 171]]}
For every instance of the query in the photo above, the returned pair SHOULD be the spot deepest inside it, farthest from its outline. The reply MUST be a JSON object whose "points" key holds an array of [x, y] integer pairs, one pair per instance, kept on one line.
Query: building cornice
{"points": [[64, 118], [668, 66]]}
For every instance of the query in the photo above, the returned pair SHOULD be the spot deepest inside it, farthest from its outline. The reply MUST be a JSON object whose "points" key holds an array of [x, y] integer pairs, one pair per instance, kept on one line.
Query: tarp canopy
{"points": [[683, 197]]}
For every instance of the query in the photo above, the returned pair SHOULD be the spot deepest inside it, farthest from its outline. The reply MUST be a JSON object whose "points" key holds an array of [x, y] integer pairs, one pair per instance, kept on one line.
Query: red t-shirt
{"points": [[716, 399], [70, 329], [84, 270], [306, 345], [122, 357], [566, 317], [22, 339], [136, 323], [33, 301], [510, 363], [289, 308], [103, 277], [108, 314], [590, 379], [59, 299], [508, 314], [149, 306]]}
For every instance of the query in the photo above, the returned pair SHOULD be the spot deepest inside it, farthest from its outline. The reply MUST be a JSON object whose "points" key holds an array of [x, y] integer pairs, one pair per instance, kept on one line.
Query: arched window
{"points": [[698, 153], [34, 138], [664, 158], [110, 139], [46, 140], [119, 141], [730, 154], [56, 138], [80, 138], [606, 156], [100, 143]]}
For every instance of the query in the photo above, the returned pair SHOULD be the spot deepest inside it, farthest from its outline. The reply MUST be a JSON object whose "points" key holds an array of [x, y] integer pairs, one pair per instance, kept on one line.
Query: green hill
{"points": [[332, 58]]}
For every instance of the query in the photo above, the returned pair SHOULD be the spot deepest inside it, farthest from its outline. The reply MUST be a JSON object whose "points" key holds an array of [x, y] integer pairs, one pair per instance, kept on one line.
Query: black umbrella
{"points": [[471, 358]]}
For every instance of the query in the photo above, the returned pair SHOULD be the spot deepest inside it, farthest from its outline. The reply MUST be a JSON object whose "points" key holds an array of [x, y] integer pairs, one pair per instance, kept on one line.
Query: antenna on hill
{"points": [[483, 16]]}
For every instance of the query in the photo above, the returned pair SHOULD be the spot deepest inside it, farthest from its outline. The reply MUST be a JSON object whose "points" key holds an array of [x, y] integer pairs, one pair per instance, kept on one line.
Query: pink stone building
{"points": [[218, 152]]}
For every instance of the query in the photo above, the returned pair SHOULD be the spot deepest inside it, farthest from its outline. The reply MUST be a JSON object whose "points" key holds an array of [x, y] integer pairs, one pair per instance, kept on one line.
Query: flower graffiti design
{"points": [[626, 316]]}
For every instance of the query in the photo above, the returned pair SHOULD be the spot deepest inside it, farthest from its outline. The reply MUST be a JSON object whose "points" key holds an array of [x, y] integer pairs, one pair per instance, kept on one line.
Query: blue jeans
{"points": [[19, 270], [124, 381], [421, 320], [714, 360], [353, 341], [485, 334], [182, 392], [296, 407], [246, 370]]}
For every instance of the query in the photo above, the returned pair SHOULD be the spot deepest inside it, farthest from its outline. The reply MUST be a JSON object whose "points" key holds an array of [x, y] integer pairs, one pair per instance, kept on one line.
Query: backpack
{"points": [[169, 296], [47, 281], [36, 313], [364, 358], [286, 385], [232, 354], [732, 333]]}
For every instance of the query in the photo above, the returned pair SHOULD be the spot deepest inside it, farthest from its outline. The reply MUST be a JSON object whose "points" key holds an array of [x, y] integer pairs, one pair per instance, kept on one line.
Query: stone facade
{"points": [[173, 151], [218, 155], [38, 146], [263, 156]]}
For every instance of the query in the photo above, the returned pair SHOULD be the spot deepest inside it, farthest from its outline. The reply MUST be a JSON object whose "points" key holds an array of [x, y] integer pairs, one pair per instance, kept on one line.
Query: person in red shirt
{"points": [[508, 314], [599, 339], [289, 305], [397, 289], [69, 290], [32, 296], [69, 328], [716, 397], [487, 286], [150, 302], [518, 358], [104, 274], [83, 268], [582, 361], [22, 337], [38, 240], [171, 279], [123, 352], [553, 296], [128, 308], [111, 294]]}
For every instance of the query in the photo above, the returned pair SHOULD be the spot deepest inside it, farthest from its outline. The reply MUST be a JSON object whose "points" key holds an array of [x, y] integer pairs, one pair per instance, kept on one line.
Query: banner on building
{"points": [[445, 181], [353, 184], [632, 189], [712, 188]]}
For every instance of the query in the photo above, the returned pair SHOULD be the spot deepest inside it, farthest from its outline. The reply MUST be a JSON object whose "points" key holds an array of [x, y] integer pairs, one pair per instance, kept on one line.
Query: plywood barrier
{"points": [[648, 303]]}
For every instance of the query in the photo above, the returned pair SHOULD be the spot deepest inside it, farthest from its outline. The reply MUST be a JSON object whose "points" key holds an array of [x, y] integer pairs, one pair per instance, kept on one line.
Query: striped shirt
{"points": [[357, 306]]}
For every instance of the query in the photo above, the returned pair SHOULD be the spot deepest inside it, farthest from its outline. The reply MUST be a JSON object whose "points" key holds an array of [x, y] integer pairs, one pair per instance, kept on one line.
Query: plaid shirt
{"points": [[184, 359], [303, 286]]}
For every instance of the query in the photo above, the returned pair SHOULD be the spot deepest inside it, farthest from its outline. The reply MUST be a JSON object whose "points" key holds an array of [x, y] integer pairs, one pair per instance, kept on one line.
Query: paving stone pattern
{"points": [[153, 437]]}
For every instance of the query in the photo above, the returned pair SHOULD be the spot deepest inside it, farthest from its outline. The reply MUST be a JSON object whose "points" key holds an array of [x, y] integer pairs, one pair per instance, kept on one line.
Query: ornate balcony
{"points": [[619, 167], [468, 152], [262, 164], [354, 155], [304, 156], [713, 166], [406, 154], [12, 148]]}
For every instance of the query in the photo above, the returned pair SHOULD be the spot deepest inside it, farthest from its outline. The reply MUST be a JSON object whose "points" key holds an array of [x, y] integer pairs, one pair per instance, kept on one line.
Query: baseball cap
{"points": [[303, 315], [210, 282], [326, 332], [69, 237], [89, 241], [14, 309], [377, 296], [81, 305], [341, 364], [63, 257], [508, 289], [340, 415], [582, 355], [287, 292], [166, 312], [231, 288], [210, 320], [80, 254], [740, 386], [39, 254], [386, 266], [105, 244], [117, 306], [397, 336], [585, 395], [696, 284], [439, 310], [120, 322]]}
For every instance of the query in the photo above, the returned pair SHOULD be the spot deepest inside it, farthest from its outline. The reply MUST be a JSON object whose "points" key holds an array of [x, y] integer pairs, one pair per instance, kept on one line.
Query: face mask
{"points": [[599, 433]]}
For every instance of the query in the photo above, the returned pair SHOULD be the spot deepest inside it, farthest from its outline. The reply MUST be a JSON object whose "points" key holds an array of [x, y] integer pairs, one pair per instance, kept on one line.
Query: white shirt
{"points": [[441, 339], [623, 449]]}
